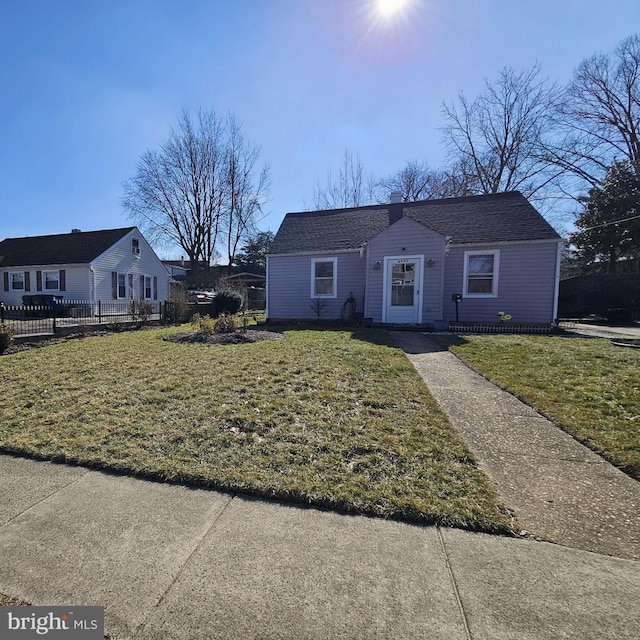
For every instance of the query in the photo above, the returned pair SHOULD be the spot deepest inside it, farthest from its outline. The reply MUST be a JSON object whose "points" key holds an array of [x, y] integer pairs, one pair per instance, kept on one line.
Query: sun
{"points": [[387, 9]]}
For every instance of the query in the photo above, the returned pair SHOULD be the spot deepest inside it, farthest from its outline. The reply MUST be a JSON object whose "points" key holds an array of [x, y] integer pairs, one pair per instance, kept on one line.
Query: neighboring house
{"points": [[403, 262], [115, 264]]}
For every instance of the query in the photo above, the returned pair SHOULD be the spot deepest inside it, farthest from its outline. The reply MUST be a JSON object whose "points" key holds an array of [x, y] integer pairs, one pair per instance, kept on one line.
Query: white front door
{"points": [[403, 289]]}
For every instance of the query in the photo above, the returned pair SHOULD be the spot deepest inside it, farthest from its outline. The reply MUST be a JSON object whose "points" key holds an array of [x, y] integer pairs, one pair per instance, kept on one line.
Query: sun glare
{"points": [[389, 8]]}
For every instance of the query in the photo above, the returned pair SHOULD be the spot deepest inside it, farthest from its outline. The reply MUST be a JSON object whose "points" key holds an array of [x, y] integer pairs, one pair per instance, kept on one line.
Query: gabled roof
{"points": [[80, 247], [500, 217]]}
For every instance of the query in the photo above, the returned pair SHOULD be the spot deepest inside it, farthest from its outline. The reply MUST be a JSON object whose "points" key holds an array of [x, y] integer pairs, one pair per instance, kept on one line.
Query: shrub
{"points": [[203, 324], [225, 324], [140, 311], [228, 302], [6, 337], [178, 308]]}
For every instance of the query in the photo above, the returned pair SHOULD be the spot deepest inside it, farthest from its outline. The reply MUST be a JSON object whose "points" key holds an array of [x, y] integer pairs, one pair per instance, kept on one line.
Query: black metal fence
{"points": [[62, 317]]}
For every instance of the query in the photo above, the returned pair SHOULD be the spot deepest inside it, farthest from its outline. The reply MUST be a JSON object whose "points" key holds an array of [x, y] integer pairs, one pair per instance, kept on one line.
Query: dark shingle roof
{"points": [[500, 217], [66, 248]]}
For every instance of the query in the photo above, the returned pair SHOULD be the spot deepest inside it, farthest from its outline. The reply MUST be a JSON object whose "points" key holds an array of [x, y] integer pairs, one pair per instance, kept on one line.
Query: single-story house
{"points": [[406, 263], [114, 264]]}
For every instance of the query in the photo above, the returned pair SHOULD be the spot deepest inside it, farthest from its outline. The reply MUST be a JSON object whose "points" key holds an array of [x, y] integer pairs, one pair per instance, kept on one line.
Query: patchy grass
{"points": [[587, 386], [329, 418]]}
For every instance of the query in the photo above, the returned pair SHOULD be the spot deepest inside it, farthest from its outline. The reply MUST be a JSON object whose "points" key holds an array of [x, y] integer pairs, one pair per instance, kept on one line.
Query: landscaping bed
{"points": [[239, 336]]}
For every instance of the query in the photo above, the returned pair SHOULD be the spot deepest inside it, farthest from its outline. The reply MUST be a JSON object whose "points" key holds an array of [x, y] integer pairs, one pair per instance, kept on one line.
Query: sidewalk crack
{"points": [[45, 498], [196, 548], [454, 585]]}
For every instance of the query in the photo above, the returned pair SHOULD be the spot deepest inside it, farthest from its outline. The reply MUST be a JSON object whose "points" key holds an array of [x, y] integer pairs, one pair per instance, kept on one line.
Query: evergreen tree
{"points": [[609, 226]]}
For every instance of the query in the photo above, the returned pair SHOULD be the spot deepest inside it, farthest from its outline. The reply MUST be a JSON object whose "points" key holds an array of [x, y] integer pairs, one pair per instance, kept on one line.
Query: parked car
{"points": [[201, 297]]}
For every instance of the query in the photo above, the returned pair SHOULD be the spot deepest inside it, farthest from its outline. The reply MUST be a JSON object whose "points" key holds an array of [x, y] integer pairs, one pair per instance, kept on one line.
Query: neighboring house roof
{"points": [[78, 247], [246, 275], [500, 217]]}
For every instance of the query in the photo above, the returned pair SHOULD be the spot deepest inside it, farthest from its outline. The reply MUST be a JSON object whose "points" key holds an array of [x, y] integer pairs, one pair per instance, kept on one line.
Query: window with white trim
{"points": [[135, 246], [481, 274], [148, 292], [324, 275], [51, 280], [17, 281], [122, 285]]}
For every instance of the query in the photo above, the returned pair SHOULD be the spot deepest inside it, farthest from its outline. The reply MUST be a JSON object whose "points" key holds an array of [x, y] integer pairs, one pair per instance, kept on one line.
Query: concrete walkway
{"points": [[174, 562], [557, 489], [602, 331]]}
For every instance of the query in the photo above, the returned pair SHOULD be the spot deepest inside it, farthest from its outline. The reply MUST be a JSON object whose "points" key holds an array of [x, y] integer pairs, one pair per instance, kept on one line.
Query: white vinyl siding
{"points": [[121, 259]]}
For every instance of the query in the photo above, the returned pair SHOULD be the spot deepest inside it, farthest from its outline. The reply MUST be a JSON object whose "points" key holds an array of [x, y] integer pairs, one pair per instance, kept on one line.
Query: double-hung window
{"points": [[51, 280], [147, 294], [122, 285], [324, 277], [481, 274], [17, 281], [135, 247]]}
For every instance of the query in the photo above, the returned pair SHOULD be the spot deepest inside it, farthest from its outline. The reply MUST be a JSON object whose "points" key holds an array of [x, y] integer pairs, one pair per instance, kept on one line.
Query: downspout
{"points": [[364, 252], [92, 285], [266, 292], [556, 288]]}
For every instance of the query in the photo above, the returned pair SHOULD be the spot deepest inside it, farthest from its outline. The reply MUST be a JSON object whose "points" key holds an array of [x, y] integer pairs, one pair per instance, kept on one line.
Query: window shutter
{"points": [[63, 280], [27, 280], [6, 281], [131, 285], [114, 285], [141, 287], [155, 287], [38, 280]]}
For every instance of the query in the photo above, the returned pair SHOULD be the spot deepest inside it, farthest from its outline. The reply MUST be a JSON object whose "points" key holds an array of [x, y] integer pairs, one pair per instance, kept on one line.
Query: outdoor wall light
{"points": [[430, 262], [377, 264]]}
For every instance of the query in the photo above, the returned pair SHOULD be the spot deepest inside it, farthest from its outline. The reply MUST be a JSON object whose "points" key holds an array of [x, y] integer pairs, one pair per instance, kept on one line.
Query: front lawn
{"points": [[587, 386], [329, 418]]}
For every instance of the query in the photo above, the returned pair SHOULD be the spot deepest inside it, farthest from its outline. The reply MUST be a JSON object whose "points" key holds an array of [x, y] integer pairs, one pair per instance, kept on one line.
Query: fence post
{"points": [[2, 312], [99, 312], [54, 314]]}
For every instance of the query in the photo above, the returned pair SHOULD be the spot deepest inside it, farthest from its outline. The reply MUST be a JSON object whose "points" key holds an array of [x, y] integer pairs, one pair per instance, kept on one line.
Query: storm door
{"points": [[403, 290]]}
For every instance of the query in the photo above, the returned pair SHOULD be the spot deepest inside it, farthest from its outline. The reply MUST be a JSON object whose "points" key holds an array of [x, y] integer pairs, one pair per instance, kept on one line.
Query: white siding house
{"points": [[82, 266]]}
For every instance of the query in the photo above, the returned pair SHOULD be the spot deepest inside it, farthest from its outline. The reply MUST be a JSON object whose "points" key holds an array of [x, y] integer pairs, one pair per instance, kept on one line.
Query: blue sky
{"points": [[89, 85]]}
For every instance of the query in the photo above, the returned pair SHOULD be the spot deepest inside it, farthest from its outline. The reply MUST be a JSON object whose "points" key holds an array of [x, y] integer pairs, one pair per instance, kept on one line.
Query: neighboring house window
{"points": [[17, 281], [135, 246], [51, 280], [324, 277], [481, 274], [122, 285], [148, 294]]}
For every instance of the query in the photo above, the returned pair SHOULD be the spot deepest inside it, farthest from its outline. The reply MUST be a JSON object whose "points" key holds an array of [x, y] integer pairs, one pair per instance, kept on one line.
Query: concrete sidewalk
{"points": [[558, 489], [173, 562]]}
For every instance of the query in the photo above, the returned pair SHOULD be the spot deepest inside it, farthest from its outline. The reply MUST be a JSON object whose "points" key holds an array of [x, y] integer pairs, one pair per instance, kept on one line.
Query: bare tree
{"points": [[350, 188], [417, 181], [246, 188], [199, 190], [496, 139], [599, 115]]}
